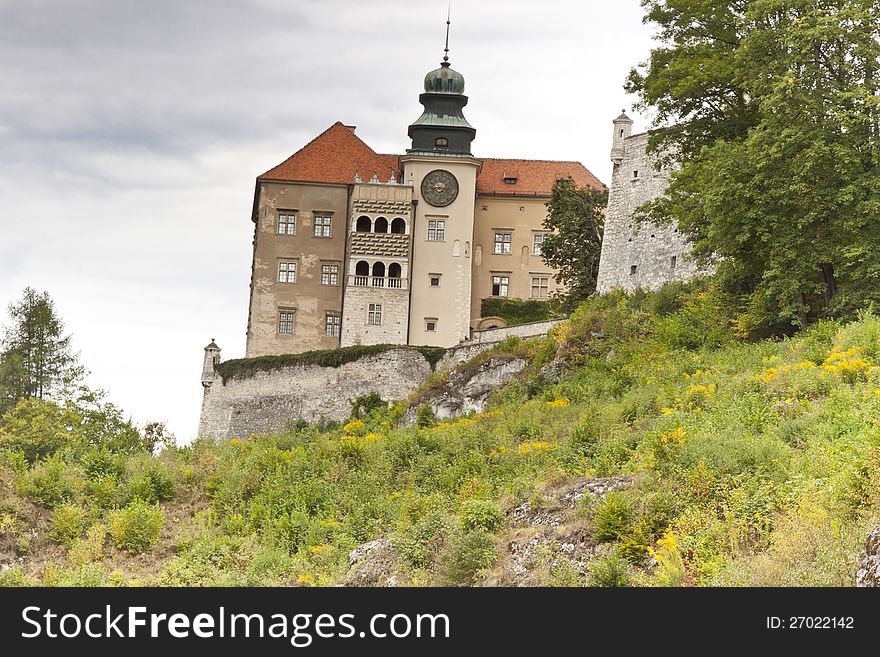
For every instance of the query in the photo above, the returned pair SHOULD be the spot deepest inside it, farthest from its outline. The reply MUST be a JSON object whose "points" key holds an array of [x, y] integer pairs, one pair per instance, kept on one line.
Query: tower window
{"points": [[635, 174], [442, 142], [287, 271], [332, 325], [430, 324], [435, 280], [632, 270], [502, 243], [500, 286], [673, 262], [287, 222], [286, 317], [374, 314], [322, 226], [436, 231]]}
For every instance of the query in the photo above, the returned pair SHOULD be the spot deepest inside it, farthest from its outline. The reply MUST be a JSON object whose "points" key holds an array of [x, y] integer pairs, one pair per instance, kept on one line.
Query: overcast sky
{"points": [[131, 133]]}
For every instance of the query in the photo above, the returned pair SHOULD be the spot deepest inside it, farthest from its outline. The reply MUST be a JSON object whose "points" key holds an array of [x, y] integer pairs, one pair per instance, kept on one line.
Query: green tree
{"points": [[36, 359], [786, 208], [576, 215]]}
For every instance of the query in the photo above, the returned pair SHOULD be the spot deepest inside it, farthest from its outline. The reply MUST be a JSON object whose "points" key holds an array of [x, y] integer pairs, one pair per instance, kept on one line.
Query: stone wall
{"points": [[485, 340], [267, 401], [639, 255]]}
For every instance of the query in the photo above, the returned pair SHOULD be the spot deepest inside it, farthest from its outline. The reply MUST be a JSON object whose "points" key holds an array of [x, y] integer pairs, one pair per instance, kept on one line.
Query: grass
{"points": [[754, 462]]}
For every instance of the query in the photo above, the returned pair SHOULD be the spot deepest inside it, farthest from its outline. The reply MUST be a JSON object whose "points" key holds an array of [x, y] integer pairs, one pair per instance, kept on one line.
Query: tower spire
{"points": [[446, 49]]}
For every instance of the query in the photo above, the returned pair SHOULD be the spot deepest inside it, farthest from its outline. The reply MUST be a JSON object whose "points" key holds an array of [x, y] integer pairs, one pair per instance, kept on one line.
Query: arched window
{"points": [[362, 268], [363, 225], [398, 226], [394, 270], [381, 225], [378, 270]]}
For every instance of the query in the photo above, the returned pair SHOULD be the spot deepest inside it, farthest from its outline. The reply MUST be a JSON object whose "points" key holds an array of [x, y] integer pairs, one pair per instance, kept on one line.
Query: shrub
{"points": [[49, 483], [613, 517], [425, 416], [481, 515], [136, 526], [611, 571], [465, 556], [68, 522]]}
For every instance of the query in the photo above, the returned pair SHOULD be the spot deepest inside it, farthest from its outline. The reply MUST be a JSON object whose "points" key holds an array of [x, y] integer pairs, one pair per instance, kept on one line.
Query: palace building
{"points": [[357, 247]]}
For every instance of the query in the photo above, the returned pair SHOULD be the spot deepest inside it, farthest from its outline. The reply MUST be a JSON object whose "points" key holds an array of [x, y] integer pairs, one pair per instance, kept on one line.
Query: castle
{"points": [[638, 255], [357, 247]]}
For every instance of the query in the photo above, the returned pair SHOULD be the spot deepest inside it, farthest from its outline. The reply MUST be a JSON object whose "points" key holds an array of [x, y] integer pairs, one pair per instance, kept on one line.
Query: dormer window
{"points": [[441, 142], [509, 180]]}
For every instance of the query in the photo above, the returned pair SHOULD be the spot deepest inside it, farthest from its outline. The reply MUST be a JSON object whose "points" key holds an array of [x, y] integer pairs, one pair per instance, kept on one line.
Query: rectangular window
{"points": [[537, 243], [285, 321], [330, 274], [322, 225], [287, 222], [502, 243], [500, 286], [332, 324], [540, 287], [287, 271], [434, 279], [673, 262], [430, 324], [436, 231], [374, 314]]}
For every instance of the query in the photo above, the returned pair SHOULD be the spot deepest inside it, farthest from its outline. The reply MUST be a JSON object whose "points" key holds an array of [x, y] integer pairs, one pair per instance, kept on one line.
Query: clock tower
{"points": [[443, 173]]}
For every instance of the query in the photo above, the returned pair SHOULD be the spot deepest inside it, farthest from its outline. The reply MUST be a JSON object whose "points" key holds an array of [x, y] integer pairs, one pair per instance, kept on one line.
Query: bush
{"points": [[481, 515], [49, 483], [136, 527], [613, 517], [611, 571], [465, 556], [68, 522], [425, 416]]}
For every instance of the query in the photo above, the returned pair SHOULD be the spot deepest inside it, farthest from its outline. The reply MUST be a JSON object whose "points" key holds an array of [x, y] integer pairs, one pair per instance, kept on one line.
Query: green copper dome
{"points": [[444, 80]]}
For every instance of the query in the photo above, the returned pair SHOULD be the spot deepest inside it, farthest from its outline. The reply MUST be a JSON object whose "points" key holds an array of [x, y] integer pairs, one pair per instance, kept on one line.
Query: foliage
{"points": [[481, 515], [576, 217], [36, 359], [778, 129], [136, 526], [247, 367], [519, 311], [68, 523], [465, 556]]}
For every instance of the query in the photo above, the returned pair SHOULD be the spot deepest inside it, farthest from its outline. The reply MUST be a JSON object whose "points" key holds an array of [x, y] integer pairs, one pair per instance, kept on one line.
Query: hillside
{"points": [[644, 444]]}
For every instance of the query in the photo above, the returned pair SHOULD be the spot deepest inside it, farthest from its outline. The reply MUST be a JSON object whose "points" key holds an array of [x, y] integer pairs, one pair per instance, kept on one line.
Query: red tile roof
{"points": [[333, 157], [533, 177]]}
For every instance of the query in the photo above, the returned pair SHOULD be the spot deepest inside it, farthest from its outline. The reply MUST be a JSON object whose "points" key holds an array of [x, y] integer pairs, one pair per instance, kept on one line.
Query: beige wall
{"points": [[308, 297], [451, 259], [523, 217]]}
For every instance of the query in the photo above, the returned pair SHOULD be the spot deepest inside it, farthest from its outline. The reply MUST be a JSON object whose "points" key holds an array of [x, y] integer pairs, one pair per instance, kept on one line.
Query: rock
{"points": [[868, 571], [374, 564]]}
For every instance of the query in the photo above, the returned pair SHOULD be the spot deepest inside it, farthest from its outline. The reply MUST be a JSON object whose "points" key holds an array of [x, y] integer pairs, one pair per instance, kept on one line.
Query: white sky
{"points": [[131, 133]]}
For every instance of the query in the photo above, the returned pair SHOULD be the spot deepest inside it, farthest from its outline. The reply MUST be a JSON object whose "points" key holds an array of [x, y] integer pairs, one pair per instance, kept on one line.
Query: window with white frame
{"points": [[287, 271], [374, 314], [330, 274], [431, 324], [332, 324], [287, 222], [286, 317], [322, 225], [540, 287], [434, 280], [503, 243], [500, 286], [537, 243], [436, 230]]}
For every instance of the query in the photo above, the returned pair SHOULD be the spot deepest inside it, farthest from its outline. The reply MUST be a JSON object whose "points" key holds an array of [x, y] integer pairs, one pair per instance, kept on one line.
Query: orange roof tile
{"points": [[333, 157], [533, 177]]}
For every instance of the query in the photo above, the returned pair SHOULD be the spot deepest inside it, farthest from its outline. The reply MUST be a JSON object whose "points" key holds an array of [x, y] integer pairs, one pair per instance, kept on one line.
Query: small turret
{"points": [[212, 360], [623, 126]]}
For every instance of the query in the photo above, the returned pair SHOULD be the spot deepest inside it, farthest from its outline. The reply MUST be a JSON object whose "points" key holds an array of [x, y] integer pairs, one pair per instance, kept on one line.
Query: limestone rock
{"points": [[374, 564], [868, 572]]}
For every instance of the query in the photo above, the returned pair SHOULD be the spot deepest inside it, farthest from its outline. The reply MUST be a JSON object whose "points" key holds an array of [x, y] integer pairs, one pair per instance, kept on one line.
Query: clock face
{"points": [[439, 188]]}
